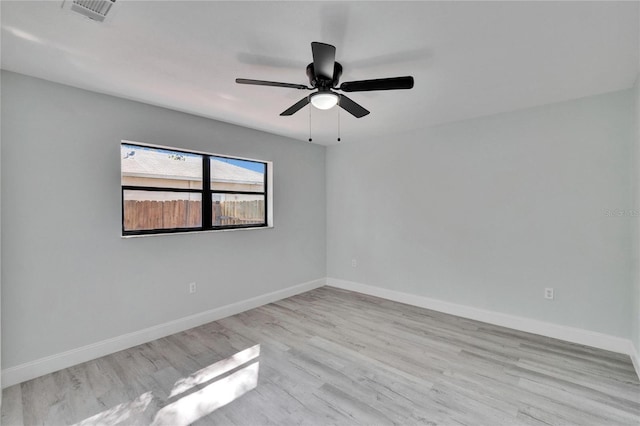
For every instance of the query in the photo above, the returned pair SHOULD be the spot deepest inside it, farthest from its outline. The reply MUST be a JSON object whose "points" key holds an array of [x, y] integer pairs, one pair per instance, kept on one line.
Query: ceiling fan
{"points": [[324, 73]]}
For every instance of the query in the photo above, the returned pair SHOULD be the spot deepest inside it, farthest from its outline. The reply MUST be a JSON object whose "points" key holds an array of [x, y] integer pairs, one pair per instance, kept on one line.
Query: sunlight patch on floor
{"points": [[199, 404], [215, 370], [188, 402], [124, 413]]}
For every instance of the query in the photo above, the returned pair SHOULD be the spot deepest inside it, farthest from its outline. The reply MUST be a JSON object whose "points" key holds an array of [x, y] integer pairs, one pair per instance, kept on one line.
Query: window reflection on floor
{"points": [[198, 404], [215, 370], [192, 397], [124, 413]]}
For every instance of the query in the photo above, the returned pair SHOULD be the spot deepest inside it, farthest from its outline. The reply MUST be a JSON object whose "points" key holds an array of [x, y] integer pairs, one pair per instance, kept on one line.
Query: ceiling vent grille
{"points": [[94, 9]]}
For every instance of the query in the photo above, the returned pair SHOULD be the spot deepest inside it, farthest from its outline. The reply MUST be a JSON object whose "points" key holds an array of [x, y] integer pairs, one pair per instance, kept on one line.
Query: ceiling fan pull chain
{"points": [[310, 140], [338, 124]]}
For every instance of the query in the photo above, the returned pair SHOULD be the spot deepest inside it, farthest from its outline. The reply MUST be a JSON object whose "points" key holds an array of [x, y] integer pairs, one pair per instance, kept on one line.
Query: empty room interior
{"points": [[320, 213]]}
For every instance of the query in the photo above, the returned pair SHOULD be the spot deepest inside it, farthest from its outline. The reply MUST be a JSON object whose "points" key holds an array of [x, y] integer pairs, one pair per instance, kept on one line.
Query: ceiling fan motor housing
{"points": [[321, 82]]}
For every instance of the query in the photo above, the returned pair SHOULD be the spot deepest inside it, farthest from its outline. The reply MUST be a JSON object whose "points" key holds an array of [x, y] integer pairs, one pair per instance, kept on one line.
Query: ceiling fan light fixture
{"points": [[324, 100]]}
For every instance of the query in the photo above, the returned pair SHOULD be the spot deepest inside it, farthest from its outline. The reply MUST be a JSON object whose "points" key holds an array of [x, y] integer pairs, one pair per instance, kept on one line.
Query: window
{"points": [[165, 190]]}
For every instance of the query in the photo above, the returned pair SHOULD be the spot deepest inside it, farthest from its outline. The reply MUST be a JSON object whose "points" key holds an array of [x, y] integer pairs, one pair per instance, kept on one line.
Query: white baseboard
{"points": [[39, 367], [569, 334]]}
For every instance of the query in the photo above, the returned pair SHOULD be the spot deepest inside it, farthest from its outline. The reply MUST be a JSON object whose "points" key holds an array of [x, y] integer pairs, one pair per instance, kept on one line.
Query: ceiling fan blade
{"points": [[351, 107], [296, 107], [324, 58], [271, 83], [392, 83]]}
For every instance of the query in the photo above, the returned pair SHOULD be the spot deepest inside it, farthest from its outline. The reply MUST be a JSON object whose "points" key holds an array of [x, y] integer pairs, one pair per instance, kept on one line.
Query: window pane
{"points": [[237, 209], [229, 174], [161, 210], [144, 166]]}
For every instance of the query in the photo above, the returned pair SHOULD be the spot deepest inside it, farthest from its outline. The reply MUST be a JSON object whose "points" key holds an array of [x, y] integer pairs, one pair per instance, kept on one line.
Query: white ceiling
{"points": [[468, 59]]}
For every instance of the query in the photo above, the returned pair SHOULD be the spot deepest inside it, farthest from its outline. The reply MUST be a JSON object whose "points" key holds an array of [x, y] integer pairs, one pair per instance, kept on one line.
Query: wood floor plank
{"points": [[12, 406], [331, 356]]}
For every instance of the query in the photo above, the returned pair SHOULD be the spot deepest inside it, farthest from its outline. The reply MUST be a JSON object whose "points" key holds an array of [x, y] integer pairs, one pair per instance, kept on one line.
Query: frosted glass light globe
{"points": [[324, 100]]}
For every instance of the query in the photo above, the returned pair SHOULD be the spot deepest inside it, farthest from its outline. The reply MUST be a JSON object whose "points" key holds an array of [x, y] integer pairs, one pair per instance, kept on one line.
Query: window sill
{"points": [[208, 231]]}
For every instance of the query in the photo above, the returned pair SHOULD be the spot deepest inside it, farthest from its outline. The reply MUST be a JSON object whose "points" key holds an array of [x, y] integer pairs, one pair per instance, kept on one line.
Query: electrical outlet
{"points": [[192, 288], [354, 263], [548, 293]]}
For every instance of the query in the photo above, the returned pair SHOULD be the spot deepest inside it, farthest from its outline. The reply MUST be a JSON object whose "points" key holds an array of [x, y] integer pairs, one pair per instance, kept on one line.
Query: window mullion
{"points": [[207, 220]]}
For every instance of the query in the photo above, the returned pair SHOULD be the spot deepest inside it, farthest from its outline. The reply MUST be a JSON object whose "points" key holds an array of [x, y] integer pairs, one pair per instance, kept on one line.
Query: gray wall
{"points": [[636, 312], [69, 279], [488, 212], [0, 238], [635, 335]]}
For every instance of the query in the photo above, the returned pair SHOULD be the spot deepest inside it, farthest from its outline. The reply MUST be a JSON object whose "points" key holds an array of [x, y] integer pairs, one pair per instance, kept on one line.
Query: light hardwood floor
{"points": [[330, 356]]}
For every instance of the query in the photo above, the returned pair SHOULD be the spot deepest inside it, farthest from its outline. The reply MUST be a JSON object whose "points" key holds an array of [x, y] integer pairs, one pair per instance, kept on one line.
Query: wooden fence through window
{"points": [[140, 215]]}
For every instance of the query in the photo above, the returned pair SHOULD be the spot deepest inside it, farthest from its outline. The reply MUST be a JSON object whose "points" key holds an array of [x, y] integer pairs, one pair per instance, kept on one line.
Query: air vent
{"points": [[94, 9]]}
